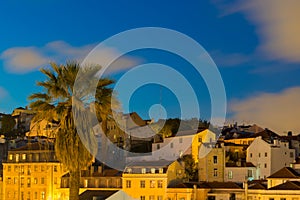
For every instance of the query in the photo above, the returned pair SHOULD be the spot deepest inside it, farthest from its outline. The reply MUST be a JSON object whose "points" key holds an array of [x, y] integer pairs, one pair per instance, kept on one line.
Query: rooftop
{"points": [[286, 172]]}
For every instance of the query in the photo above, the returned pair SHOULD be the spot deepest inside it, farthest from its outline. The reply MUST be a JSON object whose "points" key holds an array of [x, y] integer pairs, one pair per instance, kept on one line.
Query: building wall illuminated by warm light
{"points": [[149, 180], [31, 172]]}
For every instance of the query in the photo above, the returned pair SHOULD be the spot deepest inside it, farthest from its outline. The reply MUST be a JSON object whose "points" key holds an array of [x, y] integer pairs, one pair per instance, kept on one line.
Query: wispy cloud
{"points": [[229, 59], [25, 59], [3, 93], [277, 111], [277, 25]]}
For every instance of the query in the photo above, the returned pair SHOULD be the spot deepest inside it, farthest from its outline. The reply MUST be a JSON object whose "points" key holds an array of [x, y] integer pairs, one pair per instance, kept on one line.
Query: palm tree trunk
{"points": [[74, 185]]}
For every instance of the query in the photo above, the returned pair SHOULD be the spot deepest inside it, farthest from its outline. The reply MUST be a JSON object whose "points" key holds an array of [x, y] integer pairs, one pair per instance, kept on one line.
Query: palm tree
{"points": [[58, 102]]}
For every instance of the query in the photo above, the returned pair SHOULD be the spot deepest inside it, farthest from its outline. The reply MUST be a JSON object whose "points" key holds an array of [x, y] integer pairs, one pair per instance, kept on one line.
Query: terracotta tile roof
{"points": [[211, 185], [257, 186], [35, 146], [289, 185], [158, 163], [96, 194], [243, 164], [286, 172]]}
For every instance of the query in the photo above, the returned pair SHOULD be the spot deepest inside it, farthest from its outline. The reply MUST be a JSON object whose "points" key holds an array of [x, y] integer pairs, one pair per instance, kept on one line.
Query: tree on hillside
{"points": [[7, 125], [57, 102]]}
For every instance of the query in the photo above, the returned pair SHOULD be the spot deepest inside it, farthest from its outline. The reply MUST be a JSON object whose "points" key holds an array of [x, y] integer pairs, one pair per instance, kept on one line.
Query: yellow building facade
{"points": [[31, 172], [149, 180]]}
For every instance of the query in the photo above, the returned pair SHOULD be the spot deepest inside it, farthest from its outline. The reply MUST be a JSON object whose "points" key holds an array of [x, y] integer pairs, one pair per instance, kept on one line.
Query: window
{"points": [[250, 155], [17, 157], [28, 182], [143, 198], [215, 172], [35, 181], [152, 184], [171, 145], [215, 159], [22, 169], [265, 165], [159, 197], [271, 198], [8, 180], [266, 154], [259, 155], [29, 170], [159, 183], [282, 198], [161, 170], [42, 168], [22, 195], [151, 197], [42, 195], [28, 196], [250, 174], [143, 170], [55, 168], [55, 180], [42, 180], [128, 184], [35, 168], [15, 180], [35, 195], [86, 183], [230, 175], [180, 140], [23, 156], [22, 182], [9, 168], [10, 157], [142, 184], [129, 170], [152, 170], [291, 154], [158, 146], [199, 139]]}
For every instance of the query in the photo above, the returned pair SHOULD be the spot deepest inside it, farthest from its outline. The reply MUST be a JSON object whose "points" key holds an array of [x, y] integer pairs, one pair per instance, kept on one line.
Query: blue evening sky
{"points": [[255, 45]]}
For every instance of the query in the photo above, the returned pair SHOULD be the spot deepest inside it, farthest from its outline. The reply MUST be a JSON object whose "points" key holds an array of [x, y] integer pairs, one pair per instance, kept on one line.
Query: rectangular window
{"points": [[17, 157], [266, 154], [215, 159], [55, 168], [265, 165], [35, 181], [128, 184], [250, 174], [55, 180], [158, 146], [143, 170], [35, 195], [23, 156], [43, 195], [86, 183], [152, 184], [250, 155], [28, 182], [9, 168], [42, 180], [142, 184], [35, 168], [199, 139], [230, 175], [8, 180], [10, 157], [22, 182], [151, 197], [259, 155], [215, 172], [15, 180], [143, 198], [291, 154], [159, 197], [159, 183]]}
